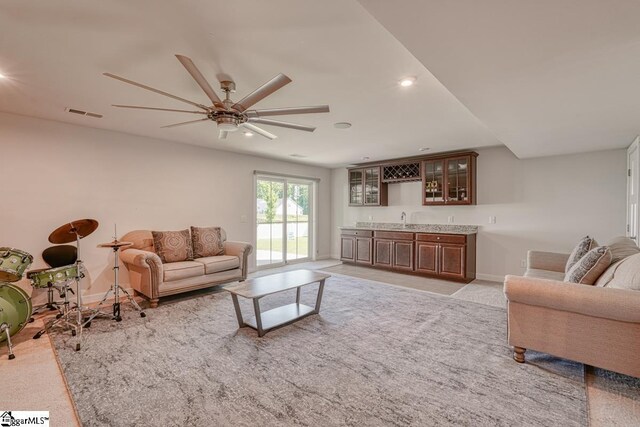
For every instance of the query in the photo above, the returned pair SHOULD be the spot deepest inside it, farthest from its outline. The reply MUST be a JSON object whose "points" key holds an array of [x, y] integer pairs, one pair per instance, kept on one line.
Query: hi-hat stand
{"points": [[116, 288]]}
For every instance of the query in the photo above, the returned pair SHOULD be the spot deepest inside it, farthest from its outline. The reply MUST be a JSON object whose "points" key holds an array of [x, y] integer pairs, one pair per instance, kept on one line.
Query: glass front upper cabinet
{"points": [[449, 180], [366, 187]]}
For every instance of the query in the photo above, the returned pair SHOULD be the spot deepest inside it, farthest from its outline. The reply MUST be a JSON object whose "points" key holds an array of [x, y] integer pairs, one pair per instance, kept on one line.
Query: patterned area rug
{"points": [[376, 355]]}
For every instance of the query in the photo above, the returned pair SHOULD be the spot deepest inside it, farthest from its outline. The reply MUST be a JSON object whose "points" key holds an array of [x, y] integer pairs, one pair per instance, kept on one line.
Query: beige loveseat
{"points": [[595, 325], [153, 279]]}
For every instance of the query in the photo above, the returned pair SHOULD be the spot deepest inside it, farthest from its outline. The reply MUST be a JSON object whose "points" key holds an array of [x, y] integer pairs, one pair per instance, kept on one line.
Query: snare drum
{"points": [[15, 308], [53, 276], [13, 263]]}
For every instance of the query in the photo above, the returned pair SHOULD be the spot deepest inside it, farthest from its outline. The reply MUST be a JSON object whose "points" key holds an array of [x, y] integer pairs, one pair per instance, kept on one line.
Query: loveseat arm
{"points": [[145, 272], [242, 250], [616, 304], [550, 261]]}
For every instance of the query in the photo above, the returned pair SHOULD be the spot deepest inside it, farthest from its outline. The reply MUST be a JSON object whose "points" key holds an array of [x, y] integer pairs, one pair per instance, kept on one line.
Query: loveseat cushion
{"points": [[622, 247], [544, 274], [627, 274], [182, 270], [587, 270], [207, 241], [173, 246], [214, 264], [584, 245]]}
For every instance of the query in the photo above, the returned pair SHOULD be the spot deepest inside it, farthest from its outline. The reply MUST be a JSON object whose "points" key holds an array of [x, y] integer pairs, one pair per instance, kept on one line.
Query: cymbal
{"points": [[115, 244], [67, 233]]}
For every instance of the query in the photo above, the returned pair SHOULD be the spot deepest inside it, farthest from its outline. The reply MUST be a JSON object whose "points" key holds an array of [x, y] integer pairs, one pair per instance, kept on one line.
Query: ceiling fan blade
{"points": [[159, 109], [199, 78], [262, 92], [286, 111], [131, 82], [184, 123], [281, 124], [223, 134], [260, 131]]}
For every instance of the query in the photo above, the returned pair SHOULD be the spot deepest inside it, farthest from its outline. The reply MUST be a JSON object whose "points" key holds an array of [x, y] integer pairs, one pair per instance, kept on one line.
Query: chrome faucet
{"points": [[403, 217]]}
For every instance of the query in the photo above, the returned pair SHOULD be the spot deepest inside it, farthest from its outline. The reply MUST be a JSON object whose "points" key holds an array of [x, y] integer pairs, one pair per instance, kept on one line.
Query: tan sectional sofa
{"points": [[595, 325], [153, 279]]}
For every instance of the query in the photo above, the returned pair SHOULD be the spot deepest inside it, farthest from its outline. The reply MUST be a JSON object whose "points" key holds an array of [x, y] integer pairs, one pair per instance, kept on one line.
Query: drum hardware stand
{"points": [[4, 328], [51, 304], [116, 288], [62, 318]]}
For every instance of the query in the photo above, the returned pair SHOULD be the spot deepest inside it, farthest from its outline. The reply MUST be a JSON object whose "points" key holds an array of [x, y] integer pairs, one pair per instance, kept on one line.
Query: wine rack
{"points": [[404, 172]]}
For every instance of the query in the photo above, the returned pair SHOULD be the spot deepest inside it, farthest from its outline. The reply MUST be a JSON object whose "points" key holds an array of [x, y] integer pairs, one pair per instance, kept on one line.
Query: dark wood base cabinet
{"points": [[443, 256]]}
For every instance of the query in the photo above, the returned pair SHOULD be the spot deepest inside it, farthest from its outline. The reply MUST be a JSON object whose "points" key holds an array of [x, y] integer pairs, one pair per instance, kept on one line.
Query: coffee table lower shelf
{"points": [[280, 316]]}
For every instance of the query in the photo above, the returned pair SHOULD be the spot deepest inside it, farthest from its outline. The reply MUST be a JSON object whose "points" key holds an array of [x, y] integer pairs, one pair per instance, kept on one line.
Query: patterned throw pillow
{"points": [[207, 241], [584, 245], [173, 246], [587, 270]]}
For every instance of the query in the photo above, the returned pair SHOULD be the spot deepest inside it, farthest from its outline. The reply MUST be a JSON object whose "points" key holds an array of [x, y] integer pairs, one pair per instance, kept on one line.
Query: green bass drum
{"points": [[15, 308]]}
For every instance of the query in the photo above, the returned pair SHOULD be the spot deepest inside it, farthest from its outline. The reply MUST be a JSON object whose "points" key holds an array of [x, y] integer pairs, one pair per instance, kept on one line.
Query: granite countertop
{"points": [[414, 228]]}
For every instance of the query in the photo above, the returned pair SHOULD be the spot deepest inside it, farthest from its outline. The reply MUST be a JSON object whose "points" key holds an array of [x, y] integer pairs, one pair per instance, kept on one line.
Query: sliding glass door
{"points": [[283, 220]]}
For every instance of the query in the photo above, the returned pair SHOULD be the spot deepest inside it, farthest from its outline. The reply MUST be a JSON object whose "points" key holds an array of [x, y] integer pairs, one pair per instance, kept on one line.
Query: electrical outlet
{"points": [[492, 220], [450, 219], [523, 263], [243, 219], [370, 217]]}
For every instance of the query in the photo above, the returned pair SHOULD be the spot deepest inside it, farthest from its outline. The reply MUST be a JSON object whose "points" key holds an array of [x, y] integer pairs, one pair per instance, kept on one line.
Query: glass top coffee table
{"points": [[262, 286]]}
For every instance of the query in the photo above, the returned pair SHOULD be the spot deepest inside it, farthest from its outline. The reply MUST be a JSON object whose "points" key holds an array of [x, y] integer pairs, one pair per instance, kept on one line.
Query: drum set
{"points": [[16, 309]]}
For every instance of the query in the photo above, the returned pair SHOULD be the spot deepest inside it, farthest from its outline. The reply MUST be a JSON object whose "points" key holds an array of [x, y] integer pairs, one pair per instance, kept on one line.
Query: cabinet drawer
{"points": [[442, 238], [360, 233], [393, 235]]}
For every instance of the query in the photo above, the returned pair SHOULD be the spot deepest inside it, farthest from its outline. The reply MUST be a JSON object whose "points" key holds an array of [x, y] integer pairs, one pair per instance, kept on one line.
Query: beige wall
{"points": [[546, 203], [54, 173]]}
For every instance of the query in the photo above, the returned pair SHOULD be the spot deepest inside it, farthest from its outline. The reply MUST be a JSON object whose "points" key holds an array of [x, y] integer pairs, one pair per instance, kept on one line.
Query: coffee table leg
{"points": [[236, 305], [298, 295], [319, 298], [256, 309]]}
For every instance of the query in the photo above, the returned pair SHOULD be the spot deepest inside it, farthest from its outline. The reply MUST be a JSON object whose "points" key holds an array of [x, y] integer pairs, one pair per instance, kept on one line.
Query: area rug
{"points": [[376, 355]]}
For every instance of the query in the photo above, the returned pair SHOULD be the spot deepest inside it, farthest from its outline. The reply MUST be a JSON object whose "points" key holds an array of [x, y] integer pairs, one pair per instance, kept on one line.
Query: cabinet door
{"points": [[383, 250], [427, 257], [403, 255], [433, 182], [356, 187], [364, 250], [372, 186], [452, 261], [458, 178], [348, 248]]}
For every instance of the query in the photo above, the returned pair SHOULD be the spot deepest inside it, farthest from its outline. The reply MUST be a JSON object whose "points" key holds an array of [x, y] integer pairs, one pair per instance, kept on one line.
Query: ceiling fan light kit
{"points": [[229, 115]]}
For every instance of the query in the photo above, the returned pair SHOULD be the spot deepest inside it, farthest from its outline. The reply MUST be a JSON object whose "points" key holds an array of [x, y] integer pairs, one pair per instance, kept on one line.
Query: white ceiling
{"points": [[544, 77]]}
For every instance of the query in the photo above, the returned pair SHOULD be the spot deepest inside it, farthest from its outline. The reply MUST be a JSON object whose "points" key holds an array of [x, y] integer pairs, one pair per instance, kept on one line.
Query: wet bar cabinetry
{"points": [[446, 256], [447, 179]]}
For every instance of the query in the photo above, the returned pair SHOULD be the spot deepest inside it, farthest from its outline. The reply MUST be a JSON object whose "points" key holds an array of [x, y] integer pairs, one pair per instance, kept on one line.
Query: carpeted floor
{"points": [[376, 355]]}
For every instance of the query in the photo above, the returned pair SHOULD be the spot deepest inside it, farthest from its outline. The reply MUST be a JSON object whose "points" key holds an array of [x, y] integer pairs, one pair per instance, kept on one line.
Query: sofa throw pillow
{"points": [[588, 268], [207, 241], [584, 245], [173, 246]]}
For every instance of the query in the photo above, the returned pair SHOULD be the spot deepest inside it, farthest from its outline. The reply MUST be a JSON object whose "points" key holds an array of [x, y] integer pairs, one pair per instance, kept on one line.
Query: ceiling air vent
{"points": [[83, 113]]}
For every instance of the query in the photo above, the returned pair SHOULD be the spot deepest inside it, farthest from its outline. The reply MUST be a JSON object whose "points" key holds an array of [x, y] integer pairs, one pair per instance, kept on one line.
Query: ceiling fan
{"points": [[227, 114]]}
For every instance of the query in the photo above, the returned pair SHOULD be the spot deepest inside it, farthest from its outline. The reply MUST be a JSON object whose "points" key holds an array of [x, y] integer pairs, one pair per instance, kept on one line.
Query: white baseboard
{"points": [[96, 298], [490, 277]]}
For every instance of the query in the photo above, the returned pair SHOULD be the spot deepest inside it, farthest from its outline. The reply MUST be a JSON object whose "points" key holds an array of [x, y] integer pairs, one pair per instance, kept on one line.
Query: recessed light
{"points": [[424, 149], [407, 81], [365, 158], [247, 133], [342, 125]]}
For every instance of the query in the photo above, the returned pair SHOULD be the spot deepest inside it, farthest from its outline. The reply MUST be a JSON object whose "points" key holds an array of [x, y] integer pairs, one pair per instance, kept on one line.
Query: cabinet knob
{"points": [[438, 238]]}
